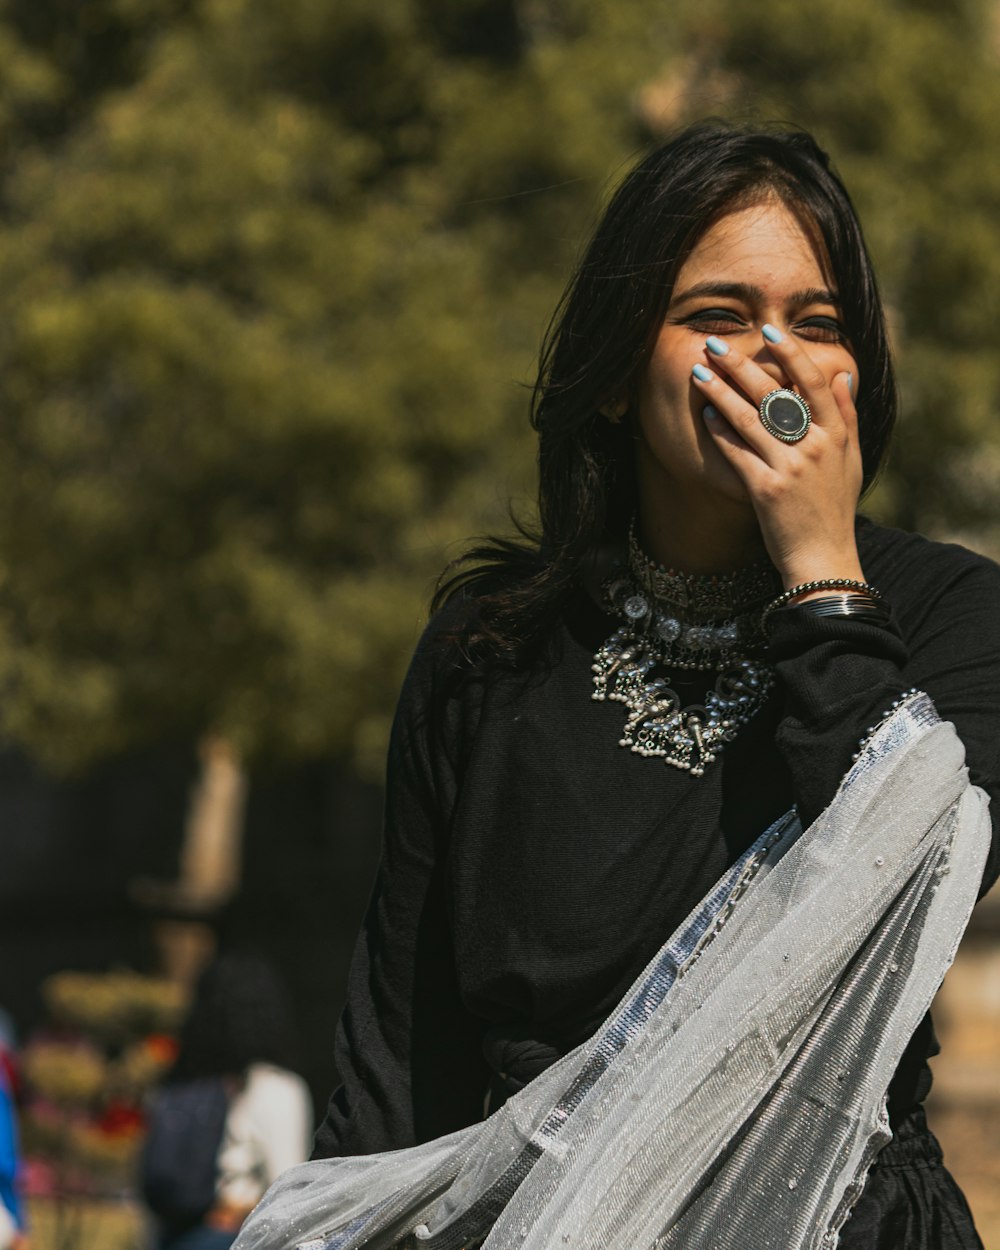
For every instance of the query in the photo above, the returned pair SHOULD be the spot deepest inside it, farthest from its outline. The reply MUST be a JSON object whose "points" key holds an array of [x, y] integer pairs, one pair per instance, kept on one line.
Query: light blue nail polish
{"points": [[850, 384], [771, 333], [710, 413], [702, 374], [716, 346]]}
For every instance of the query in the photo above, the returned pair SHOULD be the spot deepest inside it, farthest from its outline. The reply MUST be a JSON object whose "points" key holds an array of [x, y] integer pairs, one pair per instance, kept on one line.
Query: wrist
{"points": [[822, 568]]}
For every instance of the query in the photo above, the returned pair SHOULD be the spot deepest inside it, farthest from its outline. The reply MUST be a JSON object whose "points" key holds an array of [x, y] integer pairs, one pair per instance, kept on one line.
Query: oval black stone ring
{"points": [[785, 415]]}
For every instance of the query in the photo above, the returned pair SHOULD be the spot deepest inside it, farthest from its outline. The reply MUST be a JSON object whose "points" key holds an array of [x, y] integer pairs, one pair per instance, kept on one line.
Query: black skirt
{"points": [[910, 1200]]}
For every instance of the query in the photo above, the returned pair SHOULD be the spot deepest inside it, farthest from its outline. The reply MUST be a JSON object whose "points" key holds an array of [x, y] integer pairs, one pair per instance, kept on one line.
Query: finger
{"points": [[843, 390], [739, 412], [805, 375], [748, 464], [747, 374]]}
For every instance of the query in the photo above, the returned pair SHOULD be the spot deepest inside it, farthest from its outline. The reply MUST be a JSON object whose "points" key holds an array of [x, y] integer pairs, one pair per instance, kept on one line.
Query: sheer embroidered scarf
{"points": [[735, 1099]]}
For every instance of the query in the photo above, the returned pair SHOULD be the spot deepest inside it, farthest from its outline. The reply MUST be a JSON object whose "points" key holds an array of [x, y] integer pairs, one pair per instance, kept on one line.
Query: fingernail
{"points": [[702, 374], [716, 346], [710, 413], [771, 333], [850, 383]]}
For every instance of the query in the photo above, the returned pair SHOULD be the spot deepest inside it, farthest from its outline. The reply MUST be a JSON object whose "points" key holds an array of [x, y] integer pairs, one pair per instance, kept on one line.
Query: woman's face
{"points": [[753, 266]]}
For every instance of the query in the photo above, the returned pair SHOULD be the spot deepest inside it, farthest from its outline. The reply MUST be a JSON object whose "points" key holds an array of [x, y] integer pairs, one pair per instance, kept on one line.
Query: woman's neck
{"points": [[703, 535]]}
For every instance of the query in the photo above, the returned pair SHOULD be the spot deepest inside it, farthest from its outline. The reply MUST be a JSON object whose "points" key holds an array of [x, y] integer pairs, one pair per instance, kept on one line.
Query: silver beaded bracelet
{"points": [[827, 583]]}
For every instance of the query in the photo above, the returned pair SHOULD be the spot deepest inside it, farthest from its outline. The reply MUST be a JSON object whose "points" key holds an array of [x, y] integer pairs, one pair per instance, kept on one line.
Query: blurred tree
{"points": [[270, 276]]}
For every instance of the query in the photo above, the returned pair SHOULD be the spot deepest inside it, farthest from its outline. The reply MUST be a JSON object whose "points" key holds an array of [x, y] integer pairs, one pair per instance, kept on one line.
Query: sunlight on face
{"points": [[755, 265]]}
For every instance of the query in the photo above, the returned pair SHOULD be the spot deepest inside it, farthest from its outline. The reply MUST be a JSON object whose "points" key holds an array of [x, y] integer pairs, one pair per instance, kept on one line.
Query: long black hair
{"points": [[600, 339], [240, 1014]]}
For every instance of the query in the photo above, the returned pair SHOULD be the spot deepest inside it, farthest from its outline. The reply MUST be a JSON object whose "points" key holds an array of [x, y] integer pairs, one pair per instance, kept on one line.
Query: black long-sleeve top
{"points": [[531, 866]]}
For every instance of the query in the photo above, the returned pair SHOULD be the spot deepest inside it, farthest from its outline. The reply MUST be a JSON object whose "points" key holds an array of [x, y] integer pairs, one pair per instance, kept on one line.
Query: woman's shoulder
{"points": [[441, 655], [474, 631], [912, 569], [441, 691], [463, 665]]}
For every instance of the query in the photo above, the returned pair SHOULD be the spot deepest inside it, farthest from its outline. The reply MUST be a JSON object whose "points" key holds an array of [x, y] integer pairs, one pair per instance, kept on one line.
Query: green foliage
{"points": [[271, 277]]}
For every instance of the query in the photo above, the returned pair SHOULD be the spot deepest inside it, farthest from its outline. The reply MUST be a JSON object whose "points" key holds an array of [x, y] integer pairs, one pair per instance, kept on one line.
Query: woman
{"points": [[701, 563], [232, 1114]]}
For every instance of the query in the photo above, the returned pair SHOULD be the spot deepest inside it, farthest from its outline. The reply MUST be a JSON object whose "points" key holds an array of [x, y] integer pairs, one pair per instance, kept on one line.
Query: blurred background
{"points": [[272, 282]]}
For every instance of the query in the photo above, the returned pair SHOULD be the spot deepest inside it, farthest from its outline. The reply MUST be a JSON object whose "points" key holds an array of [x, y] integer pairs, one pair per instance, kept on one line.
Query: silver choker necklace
{"points": [[681, 621]]}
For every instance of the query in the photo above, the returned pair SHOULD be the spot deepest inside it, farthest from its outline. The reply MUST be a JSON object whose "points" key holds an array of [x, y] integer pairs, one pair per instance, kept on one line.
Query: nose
{"points": [[766, 361]]}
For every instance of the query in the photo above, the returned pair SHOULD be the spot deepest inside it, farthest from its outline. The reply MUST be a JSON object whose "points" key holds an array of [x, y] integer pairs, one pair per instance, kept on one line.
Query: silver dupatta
{"points": [[735, 1098]]}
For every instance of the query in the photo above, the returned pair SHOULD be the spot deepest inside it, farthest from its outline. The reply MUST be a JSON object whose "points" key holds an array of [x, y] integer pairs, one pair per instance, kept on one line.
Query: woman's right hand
{"points": [[805, 494]]}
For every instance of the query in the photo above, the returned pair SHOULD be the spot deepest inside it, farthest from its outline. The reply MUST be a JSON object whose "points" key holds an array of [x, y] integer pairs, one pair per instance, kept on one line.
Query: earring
{"points": [[614, 409]]}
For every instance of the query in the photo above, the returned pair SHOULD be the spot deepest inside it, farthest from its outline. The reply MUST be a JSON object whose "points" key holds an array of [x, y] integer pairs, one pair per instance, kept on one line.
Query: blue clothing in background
{"points": [[9, 1153]]}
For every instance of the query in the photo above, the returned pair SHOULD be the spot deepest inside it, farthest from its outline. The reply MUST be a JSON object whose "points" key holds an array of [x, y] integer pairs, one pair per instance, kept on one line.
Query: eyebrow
{"points": [[752, 294]]}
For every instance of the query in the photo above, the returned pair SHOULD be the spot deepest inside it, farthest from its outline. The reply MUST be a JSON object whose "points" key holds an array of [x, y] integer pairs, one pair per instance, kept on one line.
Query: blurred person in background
{"points": [[715, 395], [12, 1226], [232, 1114]]}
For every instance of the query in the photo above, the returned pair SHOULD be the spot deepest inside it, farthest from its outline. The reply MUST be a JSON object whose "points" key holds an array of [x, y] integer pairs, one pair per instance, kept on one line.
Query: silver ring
{"points": [[785, 415]]}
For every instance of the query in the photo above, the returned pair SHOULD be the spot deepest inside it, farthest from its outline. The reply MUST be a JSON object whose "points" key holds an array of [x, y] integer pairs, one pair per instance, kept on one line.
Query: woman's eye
{"points": [[717, 319], [821, 330]]}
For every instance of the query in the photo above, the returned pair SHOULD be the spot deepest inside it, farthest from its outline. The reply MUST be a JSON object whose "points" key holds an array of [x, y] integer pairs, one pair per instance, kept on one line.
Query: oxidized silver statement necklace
{"points": [[684, 622]]}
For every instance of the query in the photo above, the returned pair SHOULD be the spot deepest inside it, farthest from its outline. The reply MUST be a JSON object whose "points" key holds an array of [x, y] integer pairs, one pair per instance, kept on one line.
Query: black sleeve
{"points": [[838, 678], [408, 1053]]}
